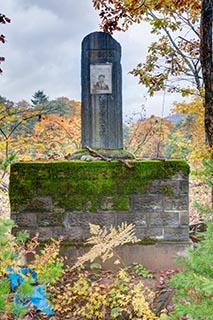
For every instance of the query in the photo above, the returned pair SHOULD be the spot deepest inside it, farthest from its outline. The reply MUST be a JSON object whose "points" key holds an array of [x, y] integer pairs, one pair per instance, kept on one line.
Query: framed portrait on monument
{"points": [[101, 78]]}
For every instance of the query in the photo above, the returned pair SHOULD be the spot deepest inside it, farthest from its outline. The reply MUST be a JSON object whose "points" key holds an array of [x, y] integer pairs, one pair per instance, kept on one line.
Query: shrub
{"points": [[194, 286], [14, 275], [121, 298]]}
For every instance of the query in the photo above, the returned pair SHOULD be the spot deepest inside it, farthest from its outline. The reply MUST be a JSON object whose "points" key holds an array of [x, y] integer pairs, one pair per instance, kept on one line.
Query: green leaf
{"points": [[22, 236], [115, 312], [26, 288], [4, 286]]}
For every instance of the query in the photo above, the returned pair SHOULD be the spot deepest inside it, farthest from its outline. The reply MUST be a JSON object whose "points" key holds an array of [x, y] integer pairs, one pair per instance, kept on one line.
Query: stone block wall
{"points": [[62, 198]]}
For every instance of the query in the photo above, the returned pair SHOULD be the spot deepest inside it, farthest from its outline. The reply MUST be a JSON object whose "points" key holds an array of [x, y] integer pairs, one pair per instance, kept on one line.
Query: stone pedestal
{"points": [[62, 198]]}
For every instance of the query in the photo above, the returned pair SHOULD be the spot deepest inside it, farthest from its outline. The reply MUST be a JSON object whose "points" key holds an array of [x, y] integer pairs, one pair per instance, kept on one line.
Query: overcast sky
{"points": [[43, 52]]}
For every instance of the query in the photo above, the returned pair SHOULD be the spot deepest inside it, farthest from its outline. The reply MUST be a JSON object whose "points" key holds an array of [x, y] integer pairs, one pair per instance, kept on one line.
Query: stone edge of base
{"points": [[158, 256]]}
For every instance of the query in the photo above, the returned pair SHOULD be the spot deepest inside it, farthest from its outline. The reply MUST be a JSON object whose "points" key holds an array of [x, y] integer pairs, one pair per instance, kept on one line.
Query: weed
{"points": [[141, 271], [17, 302], [194, 286]]}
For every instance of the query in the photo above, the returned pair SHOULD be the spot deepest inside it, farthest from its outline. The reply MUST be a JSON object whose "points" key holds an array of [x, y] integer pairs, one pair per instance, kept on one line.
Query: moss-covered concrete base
{"points": [[62, 198]]}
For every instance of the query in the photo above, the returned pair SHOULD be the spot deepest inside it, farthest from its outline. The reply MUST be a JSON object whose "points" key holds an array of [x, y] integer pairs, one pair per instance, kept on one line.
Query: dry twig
{"points": [[98, 154]]}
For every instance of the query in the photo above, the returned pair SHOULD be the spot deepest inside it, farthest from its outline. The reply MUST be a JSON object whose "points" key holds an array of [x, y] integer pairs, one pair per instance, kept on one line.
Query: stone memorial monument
{"points": [[64, 197], [101, 92]]}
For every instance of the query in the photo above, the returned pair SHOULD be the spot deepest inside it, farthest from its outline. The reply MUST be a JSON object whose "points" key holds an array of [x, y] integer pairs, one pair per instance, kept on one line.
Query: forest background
{"points": [[50, 129], [44, 129]]}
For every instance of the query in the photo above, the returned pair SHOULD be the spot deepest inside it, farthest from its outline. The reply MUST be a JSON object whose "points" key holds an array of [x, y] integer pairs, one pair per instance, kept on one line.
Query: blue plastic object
{"points": [[39, 300], [36, 298], [16, 279]]}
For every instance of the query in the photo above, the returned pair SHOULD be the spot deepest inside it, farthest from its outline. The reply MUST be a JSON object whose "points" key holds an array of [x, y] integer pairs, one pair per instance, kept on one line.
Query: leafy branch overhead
{"points": [[173, 59], [181, 58]]}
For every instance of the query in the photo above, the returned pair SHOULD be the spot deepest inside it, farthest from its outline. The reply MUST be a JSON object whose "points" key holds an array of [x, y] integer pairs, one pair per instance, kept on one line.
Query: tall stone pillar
{"points": [[101, 92]]}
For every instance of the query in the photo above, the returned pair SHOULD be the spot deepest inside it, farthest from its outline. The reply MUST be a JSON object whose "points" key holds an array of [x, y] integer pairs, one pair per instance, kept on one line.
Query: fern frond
{"points": [[104, 242]]}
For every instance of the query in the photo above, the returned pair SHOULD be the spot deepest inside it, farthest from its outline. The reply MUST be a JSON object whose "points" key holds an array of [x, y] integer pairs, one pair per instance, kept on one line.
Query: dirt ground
{"points": [[158, 284], [201, 193]]}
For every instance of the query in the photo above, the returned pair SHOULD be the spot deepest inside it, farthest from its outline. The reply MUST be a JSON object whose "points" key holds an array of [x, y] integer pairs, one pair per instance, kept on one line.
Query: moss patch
{"points": [[79, 185], [167, 190]]}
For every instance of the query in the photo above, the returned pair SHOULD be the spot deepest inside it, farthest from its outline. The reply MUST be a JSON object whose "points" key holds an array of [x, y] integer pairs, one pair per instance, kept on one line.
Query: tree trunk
{"points": [[206, 56], [207, 65]]}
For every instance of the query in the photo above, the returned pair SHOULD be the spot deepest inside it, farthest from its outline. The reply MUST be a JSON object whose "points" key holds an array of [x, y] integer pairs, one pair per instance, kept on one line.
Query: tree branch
{"points": [[96, 153]]}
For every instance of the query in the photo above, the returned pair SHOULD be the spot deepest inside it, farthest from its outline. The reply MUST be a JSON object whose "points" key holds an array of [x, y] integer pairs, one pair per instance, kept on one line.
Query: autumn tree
{"points": [[63, 106], [54, 137], [187, 139], [13, 119], [176, 55], [3, 20], [147, 137], [58, 133]]}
